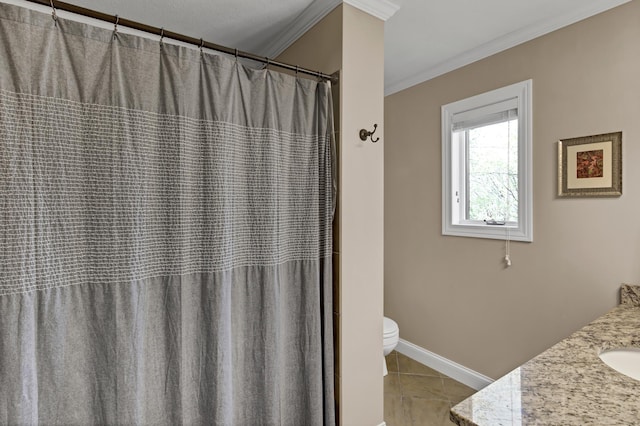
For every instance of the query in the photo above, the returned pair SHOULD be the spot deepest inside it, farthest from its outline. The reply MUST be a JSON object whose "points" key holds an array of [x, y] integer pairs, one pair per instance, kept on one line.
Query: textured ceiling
{"points": [[423, 39]]}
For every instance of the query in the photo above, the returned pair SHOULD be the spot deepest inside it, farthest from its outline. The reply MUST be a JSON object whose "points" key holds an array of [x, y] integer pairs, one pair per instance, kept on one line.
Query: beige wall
{"points": [[320, 48], [361, 220], [452, 295], [352, 41]]}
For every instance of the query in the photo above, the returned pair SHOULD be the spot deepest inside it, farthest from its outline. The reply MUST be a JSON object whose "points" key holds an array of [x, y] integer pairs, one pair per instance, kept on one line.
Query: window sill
{"points": [[495, 232]]}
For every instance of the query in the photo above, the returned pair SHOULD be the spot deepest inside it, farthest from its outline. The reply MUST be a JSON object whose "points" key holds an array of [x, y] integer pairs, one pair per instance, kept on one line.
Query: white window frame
{"points": [[452, 173]]}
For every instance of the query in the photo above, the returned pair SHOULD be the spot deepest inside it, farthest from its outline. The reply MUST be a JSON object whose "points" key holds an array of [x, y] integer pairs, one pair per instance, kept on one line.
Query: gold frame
{"points": [[591, 187]]}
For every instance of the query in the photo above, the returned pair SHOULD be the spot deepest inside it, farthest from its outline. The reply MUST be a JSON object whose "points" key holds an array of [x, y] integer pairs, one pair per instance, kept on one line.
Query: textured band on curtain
{"points": [[165, 233]]}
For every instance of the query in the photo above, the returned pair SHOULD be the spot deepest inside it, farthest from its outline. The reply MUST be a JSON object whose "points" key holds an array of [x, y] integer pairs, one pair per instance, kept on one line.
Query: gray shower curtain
{"points": [[165, 233]]}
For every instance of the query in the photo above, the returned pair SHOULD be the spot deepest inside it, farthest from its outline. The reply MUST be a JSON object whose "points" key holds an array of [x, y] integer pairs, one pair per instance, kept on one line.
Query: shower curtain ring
{"points": [[161, 34], [297, 70], [201, 44], [115, 27], [54, 15], [268, 62], [236, 55]]}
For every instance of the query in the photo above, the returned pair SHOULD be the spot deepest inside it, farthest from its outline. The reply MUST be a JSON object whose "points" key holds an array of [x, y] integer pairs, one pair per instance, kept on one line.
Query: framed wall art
{"points": [[590, 166]]}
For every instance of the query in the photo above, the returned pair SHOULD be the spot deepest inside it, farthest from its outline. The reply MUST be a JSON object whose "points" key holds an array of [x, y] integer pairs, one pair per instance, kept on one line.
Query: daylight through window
{"points": [[486, 165]]}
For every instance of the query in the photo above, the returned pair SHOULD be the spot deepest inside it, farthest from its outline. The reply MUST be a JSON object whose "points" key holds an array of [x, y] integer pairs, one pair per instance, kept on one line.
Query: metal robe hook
{"points": [[364, 134]]}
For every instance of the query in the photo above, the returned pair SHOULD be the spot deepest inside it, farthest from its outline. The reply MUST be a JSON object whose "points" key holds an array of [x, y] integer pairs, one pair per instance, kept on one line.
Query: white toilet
{"points": [[390, 336]]}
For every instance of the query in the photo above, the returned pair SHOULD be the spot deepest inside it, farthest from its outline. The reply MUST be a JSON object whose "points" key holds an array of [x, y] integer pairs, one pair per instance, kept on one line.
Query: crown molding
{"points": [[381, 9], [317, 10], [503, 43]]}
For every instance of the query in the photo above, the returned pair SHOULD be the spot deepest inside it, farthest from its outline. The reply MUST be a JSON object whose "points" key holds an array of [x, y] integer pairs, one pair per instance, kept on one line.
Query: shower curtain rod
{"points": [[116, 20]]}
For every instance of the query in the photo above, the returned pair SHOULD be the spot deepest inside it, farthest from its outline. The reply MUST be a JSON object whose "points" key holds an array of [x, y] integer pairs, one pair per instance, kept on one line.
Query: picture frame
{"points": [[590, 166]]}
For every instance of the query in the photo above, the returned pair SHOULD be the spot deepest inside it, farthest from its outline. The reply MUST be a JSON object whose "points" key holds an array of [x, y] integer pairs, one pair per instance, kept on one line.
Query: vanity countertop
{"points": [[568, 384]]}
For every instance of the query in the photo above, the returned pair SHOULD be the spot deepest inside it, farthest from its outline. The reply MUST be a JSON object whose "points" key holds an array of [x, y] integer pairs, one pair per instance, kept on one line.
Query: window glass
{"points": [[492, 172]]}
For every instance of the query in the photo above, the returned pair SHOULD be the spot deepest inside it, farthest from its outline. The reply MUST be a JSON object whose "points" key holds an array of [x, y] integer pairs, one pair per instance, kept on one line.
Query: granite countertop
{"points": [[567, 384]]}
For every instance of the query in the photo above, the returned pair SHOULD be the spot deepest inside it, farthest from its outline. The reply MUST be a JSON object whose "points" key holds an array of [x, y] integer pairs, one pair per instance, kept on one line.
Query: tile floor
{"points": [[416, 395]]}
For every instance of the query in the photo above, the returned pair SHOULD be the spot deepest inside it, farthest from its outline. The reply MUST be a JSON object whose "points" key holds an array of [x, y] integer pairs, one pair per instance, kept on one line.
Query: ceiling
{"points": [[423, 39], [426, 38]]}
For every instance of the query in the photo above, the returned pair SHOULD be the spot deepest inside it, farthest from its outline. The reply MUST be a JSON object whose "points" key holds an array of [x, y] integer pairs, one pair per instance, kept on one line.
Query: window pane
{"points": [[492, 172]]}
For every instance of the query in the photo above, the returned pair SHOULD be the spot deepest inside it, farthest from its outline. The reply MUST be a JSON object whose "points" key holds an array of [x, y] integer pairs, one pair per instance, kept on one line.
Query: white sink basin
{"points": [[623, 360]]}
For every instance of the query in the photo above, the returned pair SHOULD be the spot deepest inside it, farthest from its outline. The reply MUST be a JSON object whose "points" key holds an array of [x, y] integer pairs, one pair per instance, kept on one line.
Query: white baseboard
{"points": [[383, 424], [443, 365]]}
